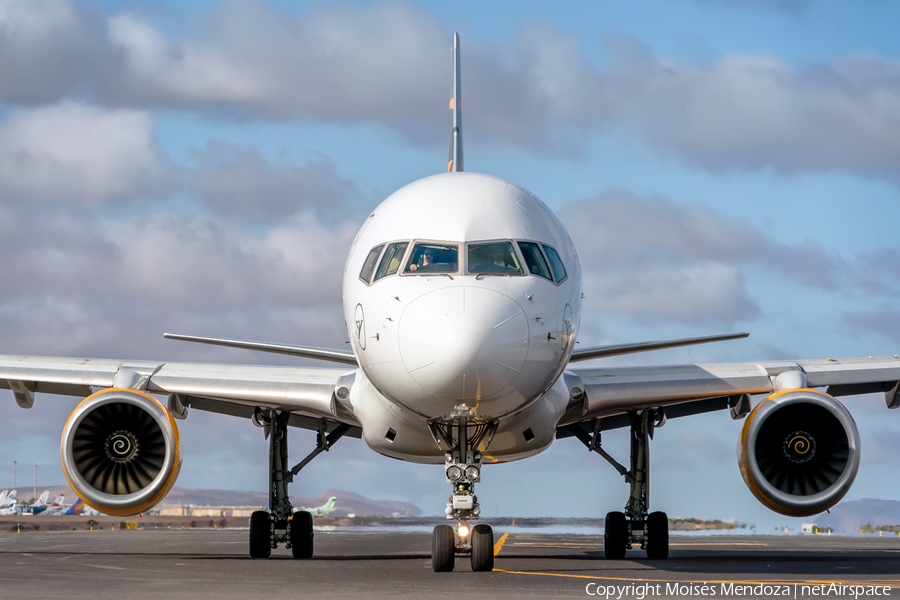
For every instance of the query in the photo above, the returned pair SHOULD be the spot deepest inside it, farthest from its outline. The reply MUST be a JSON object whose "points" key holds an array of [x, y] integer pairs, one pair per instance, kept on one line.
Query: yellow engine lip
{"points": [[94, 500], [794, 506]]}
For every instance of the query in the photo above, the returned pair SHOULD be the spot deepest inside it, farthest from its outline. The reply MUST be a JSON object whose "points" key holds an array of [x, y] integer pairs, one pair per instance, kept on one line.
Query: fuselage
{"points": [[462, 288]]}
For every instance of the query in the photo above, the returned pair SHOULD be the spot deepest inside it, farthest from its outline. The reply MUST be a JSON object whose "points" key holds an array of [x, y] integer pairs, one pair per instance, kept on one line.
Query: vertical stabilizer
{"points": [[456, 149]]}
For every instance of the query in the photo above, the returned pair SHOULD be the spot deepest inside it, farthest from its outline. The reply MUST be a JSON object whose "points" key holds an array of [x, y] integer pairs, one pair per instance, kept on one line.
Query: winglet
{"points": [[456, 147]]}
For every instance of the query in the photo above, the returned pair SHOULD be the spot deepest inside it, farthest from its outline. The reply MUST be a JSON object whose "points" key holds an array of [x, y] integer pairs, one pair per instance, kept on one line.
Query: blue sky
{"points": [[721, 166]]}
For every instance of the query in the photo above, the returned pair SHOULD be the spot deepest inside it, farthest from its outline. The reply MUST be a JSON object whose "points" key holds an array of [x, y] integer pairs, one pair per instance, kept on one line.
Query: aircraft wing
{"points": [[307, 393], [610, 392]]}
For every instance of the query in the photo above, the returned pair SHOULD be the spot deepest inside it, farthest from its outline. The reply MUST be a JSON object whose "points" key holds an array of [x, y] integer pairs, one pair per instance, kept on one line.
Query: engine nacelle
{"points": [[120, 451], [799, 452]]}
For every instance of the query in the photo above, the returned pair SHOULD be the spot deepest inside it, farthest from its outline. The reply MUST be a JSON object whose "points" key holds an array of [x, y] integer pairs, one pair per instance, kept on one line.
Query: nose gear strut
{"points": [[460, 434]]}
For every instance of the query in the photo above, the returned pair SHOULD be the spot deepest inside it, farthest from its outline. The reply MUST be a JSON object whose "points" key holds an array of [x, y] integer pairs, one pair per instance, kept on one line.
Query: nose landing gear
{"points": [[460, 434]]}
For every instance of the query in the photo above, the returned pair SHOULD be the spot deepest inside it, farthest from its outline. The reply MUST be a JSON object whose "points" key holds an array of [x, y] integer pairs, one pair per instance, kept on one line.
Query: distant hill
{"points": [[347, 502], [848, 517]]}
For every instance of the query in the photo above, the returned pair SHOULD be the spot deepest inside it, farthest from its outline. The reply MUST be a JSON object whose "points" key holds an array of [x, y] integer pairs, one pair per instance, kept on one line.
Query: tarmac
{"points": [[213, 563]]}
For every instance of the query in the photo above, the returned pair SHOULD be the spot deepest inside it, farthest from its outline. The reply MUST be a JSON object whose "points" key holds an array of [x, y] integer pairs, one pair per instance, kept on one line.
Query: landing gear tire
{"points": [[657, 536], [482, 548], [301, 535], [260, 535], [615, 536], [443, 549]]}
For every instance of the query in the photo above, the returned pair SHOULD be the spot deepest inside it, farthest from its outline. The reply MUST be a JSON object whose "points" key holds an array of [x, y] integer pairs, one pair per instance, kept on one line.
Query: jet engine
{"points": [[799, 452], [120, 451]]}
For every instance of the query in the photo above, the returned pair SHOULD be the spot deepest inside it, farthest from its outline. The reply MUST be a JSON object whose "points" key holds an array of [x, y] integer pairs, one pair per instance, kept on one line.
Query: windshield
{"points": [[535, 260], [390, 262], [498, 258], [369, 265], [559, 271], [433, 258]]}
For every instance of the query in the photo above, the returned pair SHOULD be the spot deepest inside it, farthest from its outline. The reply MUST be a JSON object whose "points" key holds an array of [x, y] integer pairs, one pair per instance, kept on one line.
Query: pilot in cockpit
{"points": [[427, 261], [434, 258]]}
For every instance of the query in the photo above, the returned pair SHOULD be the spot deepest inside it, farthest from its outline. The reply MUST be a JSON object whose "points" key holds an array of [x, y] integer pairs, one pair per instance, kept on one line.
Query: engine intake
{"points": [[120, 451], [799, 452]]}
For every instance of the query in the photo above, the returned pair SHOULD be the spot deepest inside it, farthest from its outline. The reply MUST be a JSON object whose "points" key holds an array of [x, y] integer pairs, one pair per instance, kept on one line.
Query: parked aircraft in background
{"points": [[57, 508], [462, 297], [319, 511], [40, 505], [8, 507]]}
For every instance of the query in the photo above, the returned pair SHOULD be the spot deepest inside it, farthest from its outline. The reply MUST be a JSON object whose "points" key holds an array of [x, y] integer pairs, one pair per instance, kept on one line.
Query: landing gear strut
{"points": [[460, 433], [636, 525], [281, 524]]}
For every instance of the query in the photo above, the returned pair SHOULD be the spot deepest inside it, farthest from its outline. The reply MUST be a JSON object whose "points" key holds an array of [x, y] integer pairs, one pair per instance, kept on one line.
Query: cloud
{"points": [[386, 63], [789, 7], [648, 257], [239, 183], [74, 150], [49, 48], [374, 64], [753, 112], [885, 321]]}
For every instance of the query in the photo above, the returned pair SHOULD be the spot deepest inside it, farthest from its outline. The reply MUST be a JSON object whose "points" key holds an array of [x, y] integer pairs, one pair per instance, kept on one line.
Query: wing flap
{"points": [[307, 391], [850, 371], [617, 390], [310, 390], [76, 372]]}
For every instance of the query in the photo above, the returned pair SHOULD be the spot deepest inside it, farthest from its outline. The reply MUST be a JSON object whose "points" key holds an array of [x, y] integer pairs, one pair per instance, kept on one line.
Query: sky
{"points": [[201, 168]]}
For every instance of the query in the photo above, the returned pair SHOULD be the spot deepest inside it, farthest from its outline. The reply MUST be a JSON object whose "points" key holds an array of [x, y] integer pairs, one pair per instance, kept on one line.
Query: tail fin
{"points": [[456, 144]]}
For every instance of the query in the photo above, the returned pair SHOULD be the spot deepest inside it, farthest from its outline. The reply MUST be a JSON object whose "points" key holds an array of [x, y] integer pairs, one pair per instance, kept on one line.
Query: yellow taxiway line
{"points": [[499, 544]]}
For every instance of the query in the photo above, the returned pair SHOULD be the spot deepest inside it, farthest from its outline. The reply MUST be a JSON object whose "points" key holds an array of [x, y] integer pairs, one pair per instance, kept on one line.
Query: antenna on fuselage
{"points": [[456, 149]]}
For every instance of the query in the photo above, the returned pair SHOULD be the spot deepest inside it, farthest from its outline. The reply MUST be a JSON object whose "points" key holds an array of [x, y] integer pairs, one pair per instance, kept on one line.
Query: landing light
{"points": [[463, 531], [454, 473], [471, 473]]}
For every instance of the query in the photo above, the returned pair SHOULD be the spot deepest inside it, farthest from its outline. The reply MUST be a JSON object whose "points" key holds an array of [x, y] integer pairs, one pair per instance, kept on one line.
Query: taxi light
{"points": [[463, 531], [454, 473], [471, 473]]}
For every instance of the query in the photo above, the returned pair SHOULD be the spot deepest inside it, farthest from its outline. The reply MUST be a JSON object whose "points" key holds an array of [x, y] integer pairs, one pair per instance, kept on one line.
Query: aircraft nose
{"points": [[463, 343]]}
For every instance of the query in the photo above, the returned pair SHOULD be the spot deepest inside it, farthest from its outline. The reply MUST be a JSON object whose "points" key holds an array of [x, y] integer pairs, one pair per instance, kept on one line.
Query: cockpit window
{"points": [[559, 271], [433, 258], [390, 262], [535, 260], [369, 265], [493, 258]]}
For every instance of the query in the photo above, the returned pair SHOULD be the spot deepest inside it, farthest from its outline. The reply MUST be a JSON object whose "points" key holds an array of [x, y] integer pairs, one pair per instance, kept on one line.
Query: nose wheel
{"points": [[482, 548], [446, 543]]}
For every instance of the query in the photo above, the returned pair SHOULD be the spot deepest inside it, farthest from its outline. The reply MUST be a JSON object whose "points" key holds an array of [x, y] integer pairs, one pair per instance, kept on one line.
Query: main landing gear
{"points": [[636, 525], [460, 433], [281, 524]]}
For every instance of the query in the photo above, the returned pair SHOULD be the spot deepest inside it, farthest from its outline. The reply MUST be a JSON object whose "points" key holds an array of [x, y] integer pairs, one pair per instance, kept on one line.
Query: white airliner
{"points": [[319, 511], [51, 509], [462, 295], [9, 502]]}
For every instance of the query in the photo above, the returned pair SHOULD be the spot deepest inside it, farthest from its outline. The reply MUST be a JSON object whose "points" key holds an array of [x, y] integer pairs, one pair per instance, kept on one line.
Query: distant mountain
{"points": [[848, 517], [347, 502]]}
